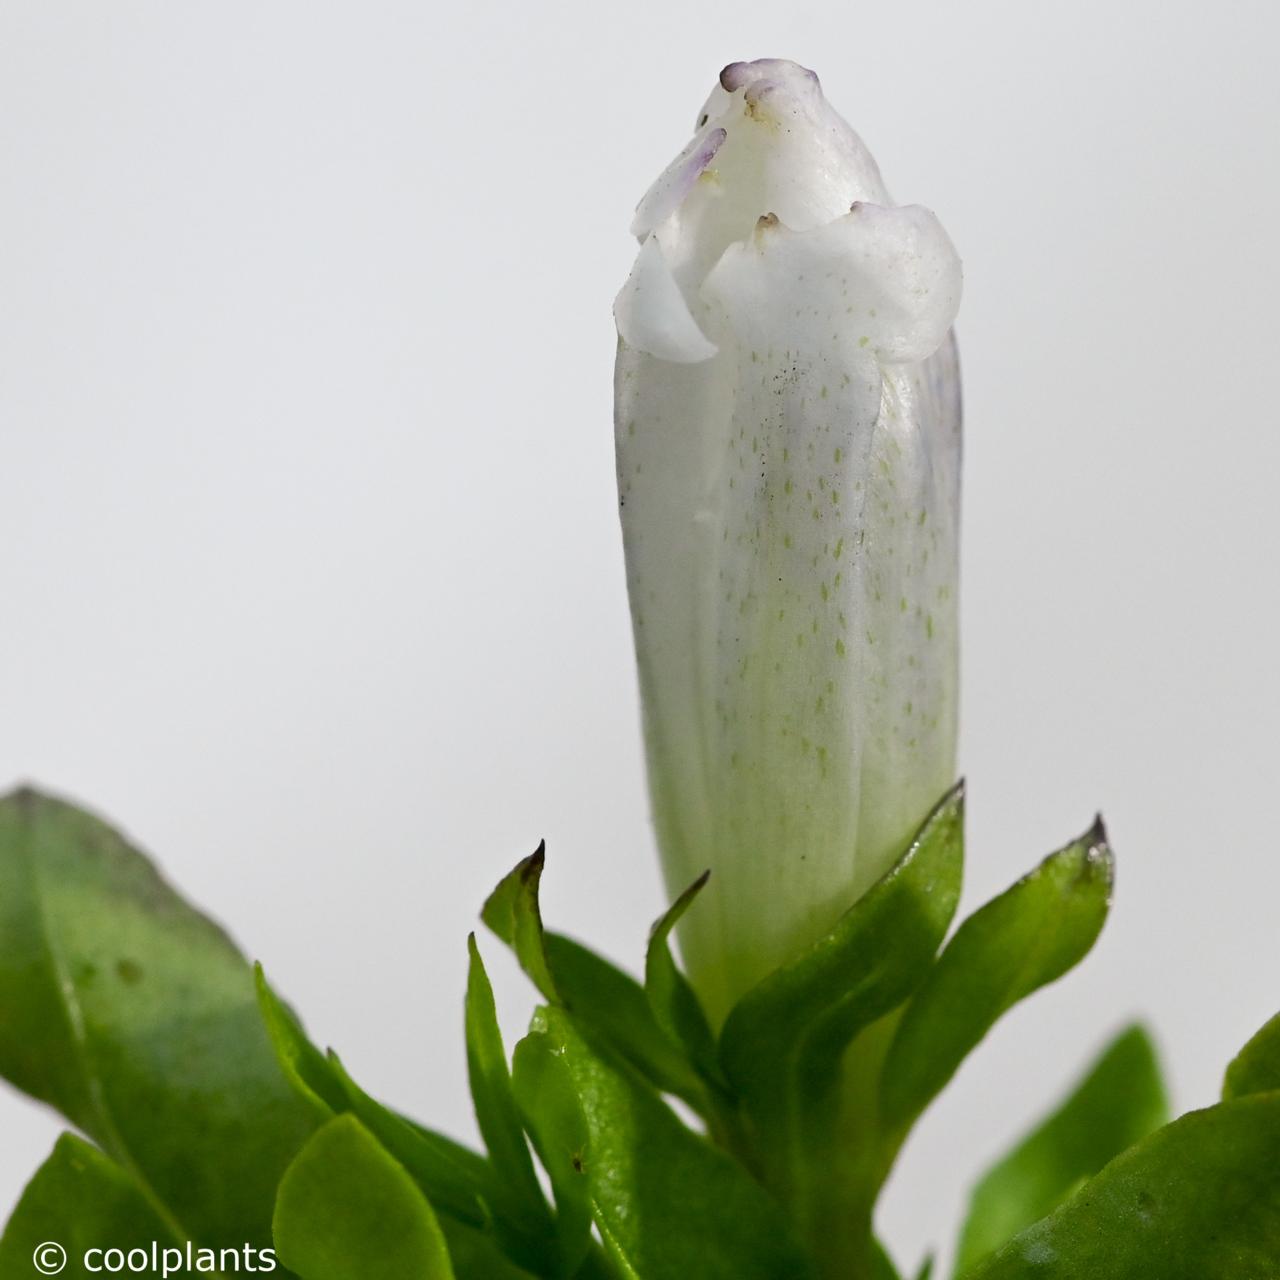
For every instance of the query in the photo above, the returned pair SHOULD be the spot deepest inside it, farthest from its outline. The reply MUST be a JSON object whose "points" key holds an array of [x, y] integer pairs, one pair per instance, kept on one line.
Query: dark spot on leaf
{"points": [[130, 971]]}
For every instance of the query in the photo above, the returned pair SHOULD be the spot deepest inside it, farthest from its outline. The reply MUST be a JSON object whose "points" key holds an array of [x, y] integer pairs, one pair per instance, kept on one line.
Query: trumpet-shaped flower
{"points": [[787, 418]]}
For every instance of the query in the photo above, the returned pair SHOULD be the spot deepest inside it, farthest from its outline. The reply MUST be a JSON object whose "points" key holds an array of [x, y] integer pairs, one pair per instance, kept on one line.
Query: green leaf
{"points": [[136, 1017], [674, 1002], [782, 1044], [306, 1068], [455, 1180], [517, 1193], [803, 1015], [452, 1177], [881, 1263], [512, 912], [613, 1012], [1120, 1101], [1197, 1200], [476, 1254], [1256, 1068], [667, 1204], [548, 1100], [1019, 942], [80, 1200], [347, 1211], [611, 1007]]}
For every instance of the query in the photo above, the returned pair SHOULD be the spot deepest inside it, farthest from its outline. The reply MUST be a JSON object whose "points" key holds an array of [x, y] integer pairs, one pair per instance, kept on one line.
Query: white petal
{"points": [[786, 151], [783, 717], [910, 543], [789, 509], [671, 423], [652, 315], [904, 274], [676, 181], [800, 719], [886, 280]]}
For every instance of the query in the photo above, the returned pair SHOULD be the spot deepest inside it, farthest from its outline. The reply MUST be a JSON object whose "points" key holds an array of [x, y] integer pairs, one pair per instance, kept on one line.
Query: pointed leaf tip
{"points": [[783, 1044], [664, 924], [1020, 941], [534, 863], [671, 996], [513, 914]]}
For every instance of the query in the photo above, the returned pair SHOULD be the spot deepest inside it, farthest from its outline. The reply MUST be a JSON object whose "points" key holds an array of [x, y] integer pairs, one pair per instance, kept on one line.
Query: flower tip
{"points": [[739, 74]]}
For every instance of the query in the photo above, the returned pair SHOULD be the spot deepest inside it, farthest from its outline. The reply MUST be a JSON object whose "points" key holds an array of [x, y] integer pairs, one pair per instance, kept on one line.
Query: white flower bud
{"points": [[788, 440]]}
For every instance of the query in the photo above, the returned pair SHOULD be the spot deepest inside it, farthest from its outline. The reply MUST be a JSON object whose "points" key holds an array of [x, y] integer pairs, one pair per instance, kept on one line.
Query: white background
{"points": [[308, 552]]}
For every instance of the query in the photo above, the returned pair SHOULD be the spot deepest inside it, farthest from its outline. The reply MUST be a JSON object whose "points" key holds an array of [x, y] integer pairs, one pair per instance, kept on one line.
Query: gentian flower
{"points": [[787, 419]]}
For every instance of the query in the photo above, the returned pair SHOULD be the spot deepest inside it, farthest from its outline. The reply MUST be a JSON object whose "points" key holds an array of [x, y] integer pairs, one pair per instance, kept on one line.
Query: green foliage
{"points": [[347, 1211], [882, 1267], [671, 995], [136, 1017], [305, 1067], [1198, 1200], [612, 1009], [81, 1200], [667, 1203], [1021, 941], [783, 1043], [552, 1113], [1120, 1100], [1256, 1068], [216, 1121], [513, 913], [517, 1196], [454, 1178]]}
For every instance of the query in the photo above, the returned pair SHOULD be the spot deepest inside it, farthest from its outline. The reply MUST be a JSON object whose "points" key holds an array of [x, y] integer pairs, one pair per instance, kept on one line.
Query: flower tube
{"points": [[787, 417]]}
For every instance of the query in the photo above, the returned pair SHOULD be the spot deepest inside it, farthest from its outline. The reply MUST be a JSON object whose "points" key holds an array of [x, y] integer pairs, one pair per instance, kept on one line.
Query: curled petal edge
{"points": [[652, 315], [887, 277], [675, 182]]}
